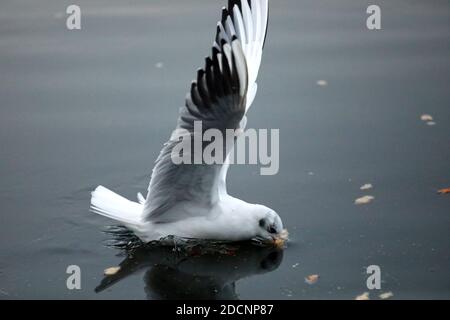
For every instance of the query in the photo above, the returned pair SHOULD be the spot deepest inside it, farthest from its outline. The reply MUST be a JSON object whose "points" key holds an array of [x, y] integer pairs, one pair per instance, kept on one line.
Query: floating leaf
{"points": [[367, 186], [386, 295], [364, 200], [426, 117], [444, 191], [312, 279], [364, 296]]}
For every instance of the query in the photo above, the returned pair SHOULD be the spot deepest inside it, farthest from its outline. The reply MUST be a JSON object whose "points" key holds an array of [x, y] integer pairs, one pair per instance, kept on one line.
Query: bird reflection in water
{"points": [[190, 269]]}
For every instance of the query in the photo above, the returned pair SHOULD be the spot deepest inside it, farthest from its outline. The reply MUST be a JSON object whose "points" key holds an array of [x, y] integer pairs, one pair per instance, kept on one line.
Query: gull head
{"points": [[269, 225]]}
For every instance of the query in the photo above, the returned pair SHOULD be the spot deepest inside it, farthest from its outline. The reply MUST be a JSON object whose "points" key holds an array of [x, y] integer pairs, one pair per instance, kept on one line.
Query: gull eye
{"points": [[272, 229]]}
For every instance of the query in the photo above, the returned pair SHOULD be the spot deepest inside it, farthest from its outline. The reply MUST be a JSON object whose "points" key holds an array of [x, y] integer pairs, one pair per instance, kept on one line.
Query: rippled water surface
{"points": [[89, 107]]}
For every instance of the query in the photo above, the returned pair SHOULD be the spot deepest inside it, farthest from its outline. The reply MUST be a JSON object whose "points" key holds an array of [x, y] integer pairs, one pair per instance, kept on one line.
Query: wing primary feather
{"points": [[224, 15], [196, 96], [264, 17], [235, 84], [226, 49], [256, 17], [223, 34], [216, 46], [248, 21], [192, 108], [202, 88], [230, 27], [239, 25], [217, 39], [217, 74], [241, 68], [226, 71], [232, 3], [210, 79]]}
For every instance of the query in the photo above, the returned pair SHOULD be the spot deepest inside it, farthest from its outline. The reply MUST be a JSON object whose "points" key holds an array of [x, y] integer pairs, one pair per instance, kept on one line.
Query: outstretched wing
{"points": [[219, 98]]}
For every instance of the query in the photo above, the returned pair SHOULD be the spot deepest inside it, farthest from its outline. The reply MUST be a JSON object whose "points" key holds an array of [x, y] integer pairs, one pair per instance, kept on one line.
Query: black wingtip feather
{"points": [[200, 74], [215, 51], [193, 84], [223, 42], [224, 15], [217, 32], [226, 72], [209, 78]]}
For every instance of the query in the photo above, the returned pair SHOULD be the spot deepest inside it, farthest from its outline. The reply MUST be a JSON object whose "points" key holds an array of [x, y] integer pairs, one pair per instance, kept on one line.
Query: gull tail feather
{"points": [[109, 204]]}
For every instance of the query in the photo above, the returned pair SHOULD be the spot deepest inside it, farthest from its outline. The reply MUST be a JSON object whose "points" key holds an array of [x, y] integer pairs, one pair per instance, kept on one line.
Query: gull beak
{"points": [[280, 239], [265, 241]]}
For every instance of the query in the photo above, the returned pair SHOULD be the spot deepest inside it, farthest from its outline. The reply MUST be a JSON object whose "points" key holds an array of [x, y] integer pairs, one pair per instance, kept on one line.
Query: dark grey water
{"points": [[89, 107]]}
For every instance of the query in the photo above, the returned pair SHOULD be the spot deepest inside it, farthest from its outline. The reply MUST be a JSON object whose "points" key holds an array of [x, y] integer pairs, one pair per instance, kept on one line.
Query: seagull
{"points": [[191, 200]]}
